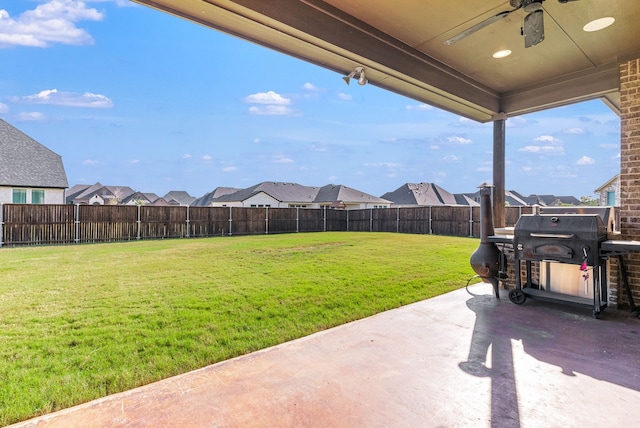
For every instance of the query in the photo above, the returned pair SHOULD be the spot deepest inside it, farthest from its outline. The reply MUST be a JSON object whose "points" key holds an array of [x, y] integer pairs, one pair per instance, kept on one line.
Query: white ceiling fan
{"points": [[532, 28]]}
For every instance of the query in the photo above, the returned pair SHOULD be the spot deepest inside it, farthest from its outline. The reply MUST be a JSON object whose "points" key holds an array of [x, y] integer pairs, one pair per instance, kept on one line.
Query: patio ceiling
{"points": [[401, 45]]}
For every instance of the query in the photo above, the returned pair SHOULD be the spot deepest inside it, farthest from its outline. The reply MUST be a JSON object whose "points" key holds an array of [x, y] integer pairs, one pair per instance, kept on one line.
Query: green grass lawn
{"points": [[80, 322]]}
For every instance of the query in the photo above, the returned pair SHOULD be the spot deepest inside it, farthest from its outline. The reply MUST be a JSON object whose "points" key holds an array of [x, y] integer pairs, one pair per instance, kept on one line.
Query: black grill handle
{"points": [[551, 235]]}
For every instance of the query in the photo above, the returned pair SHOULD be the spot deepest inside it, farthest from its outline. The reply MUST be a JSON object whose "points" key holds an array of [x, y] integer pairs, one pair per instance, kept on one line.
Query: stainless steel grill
{"points": [[567, 239]]}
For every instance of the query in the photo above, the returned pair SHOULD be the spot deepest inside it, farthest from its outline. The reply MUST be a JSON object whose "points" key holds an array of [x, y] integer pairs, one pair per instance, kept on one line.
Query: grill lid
{"points": [[569, 238]]}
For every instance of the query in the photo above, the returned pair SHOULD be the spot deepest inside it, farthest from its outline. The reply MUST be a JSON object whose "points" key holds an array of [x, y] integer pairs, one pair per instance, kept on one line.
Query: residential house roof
{"points": [[420, 194], [607, 183], [548, 200], [466, 199], [25, 162], [119, 193], [140, 197], [205, 200], [294, 193], [339, 193], [280, 191], [179, 196]]}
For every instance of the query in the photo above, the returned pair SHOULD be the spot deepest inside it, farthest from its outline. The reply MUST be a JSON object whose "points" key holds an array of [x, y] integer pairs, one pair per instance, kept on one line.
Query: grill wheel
{"points": [[517, 296]]}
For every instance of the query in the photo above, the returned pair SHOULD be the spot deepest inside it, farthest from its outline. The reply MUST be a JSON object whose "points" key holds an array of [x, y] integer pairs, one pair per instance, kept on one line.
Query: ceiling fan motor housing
{"points": [[532, 5]]}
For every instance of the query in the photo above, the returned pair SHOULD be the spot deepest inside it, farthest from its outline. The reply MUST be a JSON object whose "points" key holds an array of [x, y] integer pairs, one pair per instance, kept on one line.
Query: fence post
{"points": [[398, 220], [187, 235], [430, 221], [324, 219], [470, 221], [347, 220], [266, 221], [230, 221], [1, 224], [370, 219], [77, 222], [297, 219], [138, 223]]}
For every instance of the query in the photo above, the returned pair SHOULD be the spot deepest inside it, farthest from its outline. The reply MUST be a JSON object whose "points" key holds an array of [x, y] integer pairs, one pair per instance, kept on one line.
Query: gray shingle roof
{"points": [[420, 194], [205, 200], [179, 196], [25, 162], [293, 193], [338, 192], [289, 192]]}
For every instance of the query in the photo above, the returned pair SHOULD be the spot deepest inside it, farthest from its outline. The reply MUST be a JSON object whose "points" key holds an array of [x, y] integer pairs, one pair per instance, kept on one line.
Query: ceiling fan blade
{"points": [[469, 31]]}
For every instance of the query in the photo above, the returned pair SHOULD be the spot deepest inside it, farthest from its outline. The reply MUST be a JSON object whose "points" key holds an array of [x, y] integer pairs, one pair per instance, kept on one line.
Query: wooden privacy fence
{"points": [[25, 224]]}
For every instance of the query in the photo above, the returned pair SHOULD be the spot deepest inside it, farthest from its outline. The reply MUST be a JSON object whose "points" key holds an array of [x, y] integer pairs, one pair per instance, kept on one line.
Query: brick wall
{"points": [[630, 169]]}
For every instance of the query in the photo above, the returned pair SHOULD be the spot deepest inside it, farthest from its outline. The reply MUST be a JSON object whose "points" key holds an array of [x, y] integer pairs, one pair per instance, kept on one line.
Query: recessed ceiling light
{"points": [[599, 24], [502, 53]]}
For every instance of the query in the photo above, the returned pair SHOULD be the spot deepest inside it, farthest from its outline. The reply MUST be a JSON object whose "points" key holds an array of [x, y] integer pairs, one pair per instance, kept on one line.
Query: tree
{"points": [[588, 200]]}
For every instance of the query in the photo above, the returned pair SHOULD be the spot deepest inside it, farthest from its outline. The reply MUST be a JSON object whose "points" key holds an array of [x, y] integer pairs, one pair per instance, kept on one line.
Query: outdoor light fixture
{"points": [[599, 24], [501, 54], [359, 73]]}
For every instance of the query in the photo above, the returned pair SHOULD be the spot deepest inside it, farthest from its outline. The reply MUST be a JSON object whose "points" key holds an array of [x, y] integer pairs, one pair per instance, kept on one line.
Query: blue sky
{"points": [[131, 96]]}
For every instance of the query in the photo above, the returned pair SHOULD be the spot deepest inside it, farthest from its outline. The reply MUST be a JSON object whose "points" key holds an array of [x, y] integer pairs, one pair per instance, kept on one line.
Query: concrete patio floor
{"points": [[464, 359]]}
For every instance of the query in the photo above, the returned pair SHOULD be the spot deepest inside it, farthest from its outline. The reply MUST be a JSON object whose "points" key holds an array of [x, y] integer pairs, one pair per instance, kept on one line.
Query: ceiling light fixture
{"points": [[599, 24], [359, 73], [501, 54]]}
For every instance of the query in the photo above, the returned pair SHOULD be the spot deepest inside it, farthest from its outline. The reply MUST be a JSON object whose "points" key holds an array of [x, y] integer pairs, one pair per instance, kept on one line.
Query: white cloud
{"points": [[585, 160], [186, 156], [575, 131], [310, 87], [49, 23], [256, 140], [207, 158], [270, 97], [421, 107], [547, 139], [4, 108], [459, 140], [542, 149], [134, 161], [345, 97], [229, 169], [515, 122], [282, 159], [451, 158], [383, 164], [89, 162], [67, 99], [34, 116]]}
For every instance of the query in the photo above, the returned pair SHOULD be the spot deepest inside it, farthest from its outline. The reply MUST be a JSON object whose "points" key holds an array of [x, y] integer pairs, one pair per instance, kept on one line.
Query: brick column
{"points": [[630, 169]]}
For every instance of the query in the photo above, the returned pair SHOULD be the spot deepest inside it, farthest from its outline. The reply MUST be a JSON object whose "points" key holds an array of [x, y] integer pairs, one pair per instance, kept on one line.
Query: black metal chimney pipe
{"points": [[485, 261]]}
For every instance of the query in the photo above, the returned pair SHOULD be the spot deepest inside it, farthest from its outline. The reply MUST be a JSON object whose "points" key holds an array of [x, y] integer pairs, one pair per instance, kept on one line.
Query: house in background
{"points": [[98, 194], [294, 195], [549, 200], [609, 192], [30, 173], [343, 197], [140, 198], [179, 197], [207, 198], [420, 194]]}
